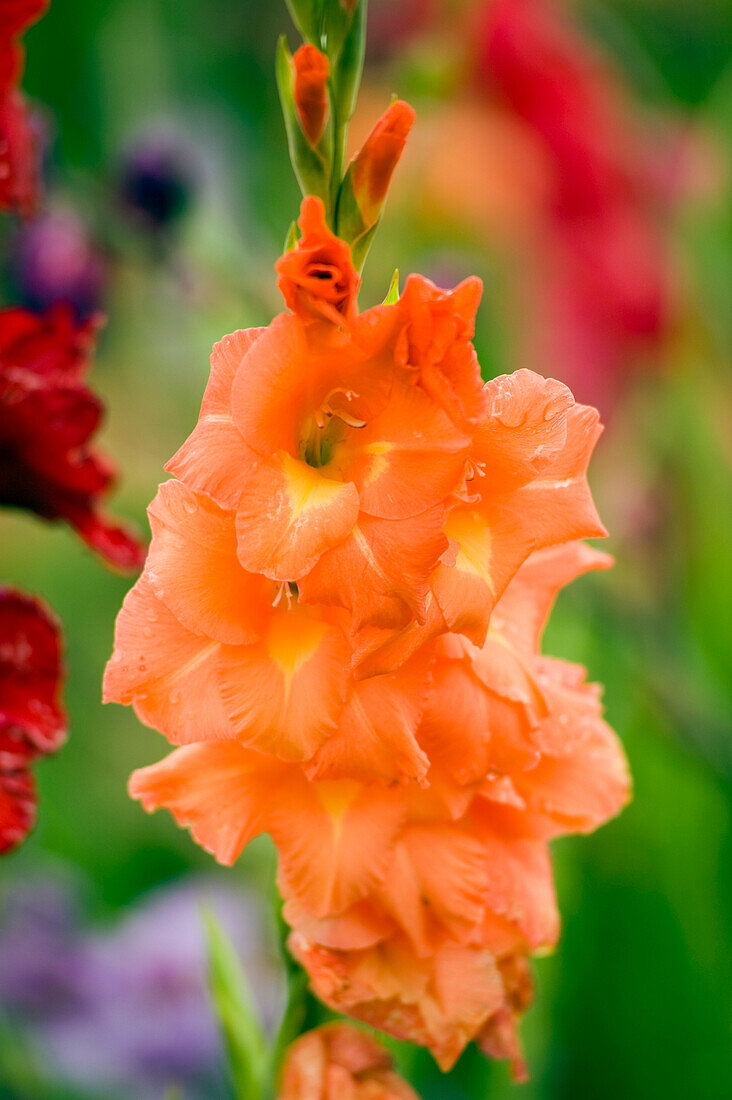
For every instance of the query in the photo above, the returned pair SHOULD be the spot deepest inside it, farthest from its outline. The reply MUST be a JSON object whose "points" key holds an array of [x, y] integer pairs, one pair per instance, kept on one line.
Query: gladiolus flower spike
{"points": [[318, 88], [338, 625]]}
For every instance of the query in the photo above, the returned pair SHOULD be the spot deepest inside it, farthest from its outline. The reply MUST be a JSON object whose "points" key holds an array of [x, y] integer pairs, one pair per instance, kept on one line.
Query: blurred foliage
{"points": [[637, 1000]]}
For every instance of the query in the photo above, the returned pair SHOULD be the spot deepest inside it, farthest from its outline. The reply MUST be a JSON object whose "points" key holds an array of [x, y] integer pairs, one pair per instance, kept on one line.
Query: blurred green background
{"points": [[637, 1000]]}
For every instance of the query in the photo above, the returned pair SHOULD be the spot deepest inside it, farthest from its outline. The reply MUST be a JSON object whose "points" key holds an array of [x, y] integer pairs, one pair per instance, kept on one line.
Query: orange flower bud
{"points": [[317, 278], [310, 91], [373, 166], [339, 1060]]}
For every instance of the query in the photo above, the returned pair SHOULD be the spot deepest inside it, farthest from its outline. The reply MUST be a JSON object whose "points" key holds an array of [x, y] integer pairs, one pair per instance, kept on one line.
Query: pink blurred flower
{"points": [[606, 286]]}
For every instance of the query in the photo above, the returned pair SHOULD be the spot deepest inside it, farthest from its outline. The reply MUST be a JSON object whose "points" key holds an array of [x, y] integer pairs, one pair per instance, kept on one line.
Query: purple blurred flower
{"points": [[126, 1008], [158, 178], [41, 963], [55, 260]]}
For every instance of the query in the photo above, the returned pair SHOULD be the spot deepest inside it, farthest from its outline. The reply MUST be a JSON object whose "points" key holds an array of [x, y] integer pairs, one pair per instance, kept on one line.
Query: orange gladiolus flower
{"points": [[395, 892], [340, 1062], [339, 624]]}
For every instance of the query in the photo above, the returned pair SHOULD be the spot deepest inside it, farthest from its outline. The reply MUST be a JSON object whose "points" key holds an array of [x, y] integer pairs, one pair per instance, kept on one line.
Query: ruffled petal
{"points": [[284, 695], [380, 573], [408, 458], [220, 791], [193, 568], [334, 840], [375, 738], [215, 458], [288, 515], [167, 672]]}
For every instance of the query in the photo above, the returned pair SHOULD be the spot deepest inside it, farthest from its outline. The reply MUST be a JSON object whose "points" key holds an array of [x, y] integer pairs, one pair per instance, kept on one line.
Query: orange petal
{"points": [[520, 886], [288, 515], [441, 1002], [334, 840], [193, 568], [363, 925], [284, 695], [375, 738], [381, 570], [454, 731], [559, 499], [378, 650], [581, 790], [221, 791], [524, 607], [340, 1062], [526, 420], [436, 346], [468, 989], [439, 874], [467, 590], [408, 458], [215, 457], [165, 671], [290, 372]]}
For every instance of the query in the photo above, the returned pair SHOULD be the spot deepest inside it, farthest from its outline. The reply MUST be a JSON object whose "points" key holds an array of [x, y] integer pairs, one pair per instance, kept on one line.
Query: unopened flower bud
{"points": [[373, 166], [311, 91]]}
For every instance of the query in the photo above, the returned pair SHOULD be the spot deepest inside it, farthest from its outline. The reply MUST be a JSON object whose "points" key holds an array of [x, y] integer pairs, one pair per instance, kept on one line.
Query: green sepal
{"points": [[312, 166], [244, 1040], [362, 244], [351, 225], [291, 238], [347, 63], [393, 292], [307, 15]]}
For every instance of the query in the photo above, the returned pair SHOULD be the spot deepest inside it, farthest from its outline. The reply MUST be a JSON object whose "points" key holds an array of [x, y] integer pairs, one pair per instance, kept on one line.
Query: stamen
{"points": [[351, 421], [464, 497], [284, 589], [326, 412]]}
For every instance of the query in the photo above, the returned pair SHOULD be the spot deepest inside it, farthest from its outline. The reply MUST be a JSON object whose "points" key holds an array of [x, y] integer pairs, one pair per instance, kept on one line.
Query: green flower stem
{"points": [[291, 1025]]}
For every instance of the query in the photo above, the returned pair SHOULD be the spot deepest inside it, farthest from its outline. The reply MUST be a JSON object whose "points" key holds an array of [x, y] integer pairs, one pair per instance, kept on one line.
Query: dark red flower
{"points": [[17, 808], [18, 140], [32, 722], [47, 416]]}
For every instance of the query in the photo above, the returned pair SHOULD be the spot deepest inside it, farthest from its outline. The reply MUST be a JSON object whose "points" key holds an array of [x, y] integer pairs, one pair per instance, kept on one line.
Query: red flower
{"points": [[18, 143], [32, 722], [47, 416]]}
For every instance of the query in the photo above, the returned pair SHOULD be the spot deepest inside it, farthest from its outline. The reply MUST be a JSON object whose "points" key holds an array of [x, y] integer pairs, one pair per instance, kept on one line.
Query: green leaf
{"points": [[244, 1040], [393, 292]]}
